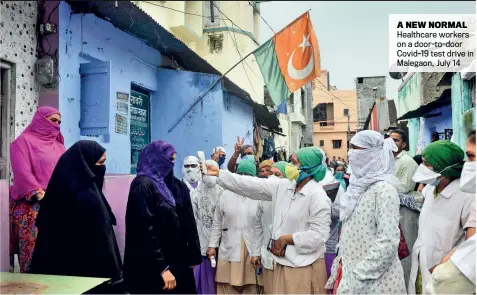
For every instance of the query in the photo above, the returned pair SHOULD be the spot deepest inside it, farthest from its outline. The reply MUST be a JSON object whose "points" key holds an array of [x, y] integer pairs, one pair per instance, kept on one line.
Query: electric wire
{"points": [[236, 47], [258, 12], [176, 10]]}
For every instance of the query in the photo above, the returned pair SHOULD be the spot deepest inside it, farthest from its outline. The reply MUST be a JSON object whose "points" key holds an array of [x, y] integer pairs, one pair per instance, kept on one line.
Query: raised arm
{"points": [[383, 251], [252, 187]]}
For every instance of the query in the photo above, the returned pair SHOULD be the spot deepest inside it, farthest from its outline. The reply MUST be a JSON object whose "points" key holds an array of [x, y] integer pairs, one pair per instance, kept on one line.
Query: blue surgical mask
{"points": [[221, 160], [339, 175], [302, 176]]}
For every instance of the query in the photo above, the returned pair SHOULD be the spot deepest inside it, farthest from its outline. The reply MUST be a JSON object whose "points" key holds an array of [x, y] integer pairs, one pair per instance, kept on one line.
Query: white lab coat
{"points": [[457, 275], [440, 229], [464, 258], [305, 214], [233, 220]]}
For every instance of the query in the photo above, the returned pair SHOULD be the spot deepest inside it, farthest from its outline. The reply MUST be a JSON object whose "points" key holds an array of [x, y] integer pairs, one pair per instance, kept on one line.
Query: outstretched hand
{"points": [[212, 170]]}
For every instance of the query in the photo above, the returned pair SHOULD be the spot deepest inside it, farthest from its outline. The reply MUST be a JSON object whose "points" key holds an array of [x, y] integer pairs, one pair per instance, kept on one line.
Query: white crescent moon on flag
{"points": [[306, 71]]}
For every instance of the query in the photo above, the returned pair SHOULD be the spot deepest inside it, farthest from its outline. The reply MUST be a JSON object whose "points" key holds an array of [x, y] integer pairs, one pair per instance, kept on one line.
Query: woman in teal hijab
{"points": [[284, 169], [301, 223], [339, 173]]}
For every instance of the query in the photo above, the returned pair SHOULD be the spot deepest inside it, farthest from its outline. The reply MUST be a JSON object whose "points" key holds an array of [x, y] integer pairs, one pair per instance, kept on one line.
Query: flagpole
{"points": [[221, 78], [207, 91]]}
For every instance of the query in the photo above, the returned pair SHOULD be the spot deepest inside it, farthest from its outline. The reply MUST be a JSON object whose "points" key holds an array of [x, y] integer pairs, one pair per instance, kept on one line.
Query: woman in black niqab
{"points": [[75, 221]]}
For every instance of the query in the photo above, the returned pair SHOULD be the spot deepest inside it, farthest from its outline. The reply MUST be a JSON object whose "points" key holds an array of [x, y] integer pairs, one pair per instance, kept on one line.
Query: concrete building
{"points": [[221, 32], [127, 89], [439, 103], [331, 111], [20, 93], [370, 89]]}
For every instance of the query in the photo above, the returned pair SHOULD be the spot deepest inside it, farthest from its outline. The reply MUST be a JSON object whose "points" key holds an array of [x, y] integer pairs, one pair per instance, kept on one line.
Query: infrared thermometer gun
{"points": [[201, 156]]}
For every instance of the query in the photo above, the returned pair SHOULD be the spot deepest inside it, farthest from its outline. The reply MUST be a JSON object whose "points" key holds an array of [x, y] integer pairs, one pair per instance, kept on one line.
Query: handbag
{"points": [[403, 250]]}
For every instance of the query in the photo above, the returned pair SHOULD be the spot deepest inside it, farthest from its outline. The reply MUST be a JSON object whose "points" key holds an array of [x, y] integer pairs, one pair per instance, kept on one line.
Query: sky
{"points": [[353, 35]]}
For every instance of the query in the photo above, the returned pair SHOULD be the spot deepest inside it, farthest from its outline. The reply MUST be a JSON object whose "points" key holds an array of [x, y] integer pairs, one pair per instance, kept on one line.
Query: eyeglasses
{"points": [[55, 120], [191, 166]]}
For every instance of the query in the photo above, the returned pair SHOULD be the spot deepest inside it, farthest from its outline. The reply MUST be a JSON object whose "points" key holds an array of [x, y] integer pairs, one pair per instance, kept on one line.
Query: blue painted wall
{"points": [[213, 122], [237, 120], [439, 123], [101, 41], [201, 129]]}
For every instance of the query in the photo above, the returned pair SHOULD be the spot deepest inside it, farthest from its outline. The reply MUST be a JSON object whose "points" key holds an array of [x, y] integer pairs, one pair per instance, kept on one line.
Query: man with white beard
{"points": [[191, 172]]}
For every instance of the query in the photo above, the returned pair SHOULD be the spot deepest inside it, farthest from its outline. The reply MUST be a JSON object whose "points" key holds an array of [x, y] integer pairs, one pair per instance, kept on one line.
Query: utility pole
{"points": [[349, 132]]}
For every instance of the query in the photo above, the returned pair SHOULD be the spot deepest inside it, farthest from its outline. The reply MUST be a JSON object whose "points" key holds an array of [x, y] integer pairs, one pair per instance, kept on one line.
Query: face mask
{"points": [[209, 180], [339, 175], [99, 172], [292, 172], [221, 160], [426, 176], [302, 176], [467, 179]]}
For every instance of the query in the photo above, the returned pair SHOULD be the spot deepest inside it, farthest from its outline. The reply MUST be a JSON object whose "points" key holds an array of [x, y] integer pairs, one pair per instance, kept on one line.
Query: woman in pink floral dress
{"points": [[33, 157]]}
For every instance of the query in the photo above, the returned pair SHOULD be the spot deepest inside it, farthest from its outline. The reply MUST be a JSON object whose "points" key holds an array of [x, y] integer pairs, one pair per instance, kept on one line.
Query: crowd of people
{"points": [[255, 227]]}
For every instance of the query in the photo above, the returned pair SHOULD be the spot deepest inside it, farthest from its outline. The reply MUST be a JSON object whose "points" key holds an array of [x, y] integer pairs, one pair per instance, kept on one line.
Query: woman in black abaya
{"points": [[162, 243], [75, 222]]}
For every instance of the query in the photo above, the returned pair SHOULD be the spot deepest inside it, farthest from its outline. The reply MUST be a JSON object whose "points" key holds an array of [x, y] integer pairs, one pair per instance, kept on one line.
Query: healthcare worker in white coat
{"points": [[456, 273], [445, 211]]}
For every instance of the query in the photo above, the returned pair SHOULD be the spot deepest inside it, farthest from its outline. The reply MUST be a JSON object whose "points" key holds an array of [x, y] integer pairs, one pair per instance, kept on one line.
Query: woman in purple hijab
{"points": [[161, 234]]}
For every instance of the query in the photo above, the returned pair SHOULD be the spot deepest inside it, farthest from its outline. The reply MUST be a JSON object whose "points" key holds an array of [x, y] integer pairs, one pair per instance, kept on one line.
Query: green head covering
{"points": [[311, 159], [281, 166], [247, 167], [444, 154]]}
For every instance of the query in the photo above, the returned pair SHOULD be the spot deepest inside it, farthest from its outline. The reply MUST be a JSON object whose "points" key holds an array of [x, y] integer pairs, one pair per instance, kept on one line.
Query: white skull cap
{"points": [[218, 149]]}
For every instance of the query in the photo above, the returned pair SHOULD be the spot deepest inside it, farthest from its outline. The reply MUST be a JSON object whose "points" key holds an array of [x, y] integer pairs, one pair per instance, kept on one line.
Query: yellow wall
{"points": [[341, 99], [189, 29]]}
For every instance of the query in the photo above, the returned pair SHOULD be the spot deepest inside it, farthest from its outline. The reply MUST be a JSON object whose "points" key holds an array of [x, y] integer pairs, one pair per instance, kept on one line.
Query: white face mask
{"points": [[426, 176], [191, 174], [467, 179]]}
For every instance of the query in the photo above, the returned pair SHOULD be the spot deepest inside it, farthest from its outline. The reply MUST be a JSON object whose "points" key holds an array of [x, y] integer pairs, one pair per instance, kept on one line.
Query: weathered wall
{"points": [[461, 97], [18, 44], [237, 120], [201, 129], [84, 39], [366, 96], [429, 91], [413, 126], [409, 96]]}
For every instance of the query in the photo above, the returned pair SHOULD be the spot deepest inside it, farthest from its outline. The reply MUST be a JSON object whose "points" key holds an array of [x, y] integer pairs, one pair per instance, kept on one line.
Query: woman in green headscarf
{"points": [[301, 223], [445, 210], [231, 231], [284, 169]]}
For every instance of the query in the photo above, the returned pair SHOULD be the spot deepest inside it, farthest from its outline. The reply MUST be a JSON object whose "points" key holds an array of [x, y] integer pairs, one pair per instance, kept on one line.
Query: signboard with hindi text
{"points": [[140, 124]]}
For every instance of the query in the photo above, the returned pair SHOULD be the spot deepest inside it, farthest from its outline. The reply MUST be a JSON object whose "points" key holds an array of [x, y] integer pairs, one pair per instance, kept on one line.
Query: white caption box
{"points": [[431, 42]]}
